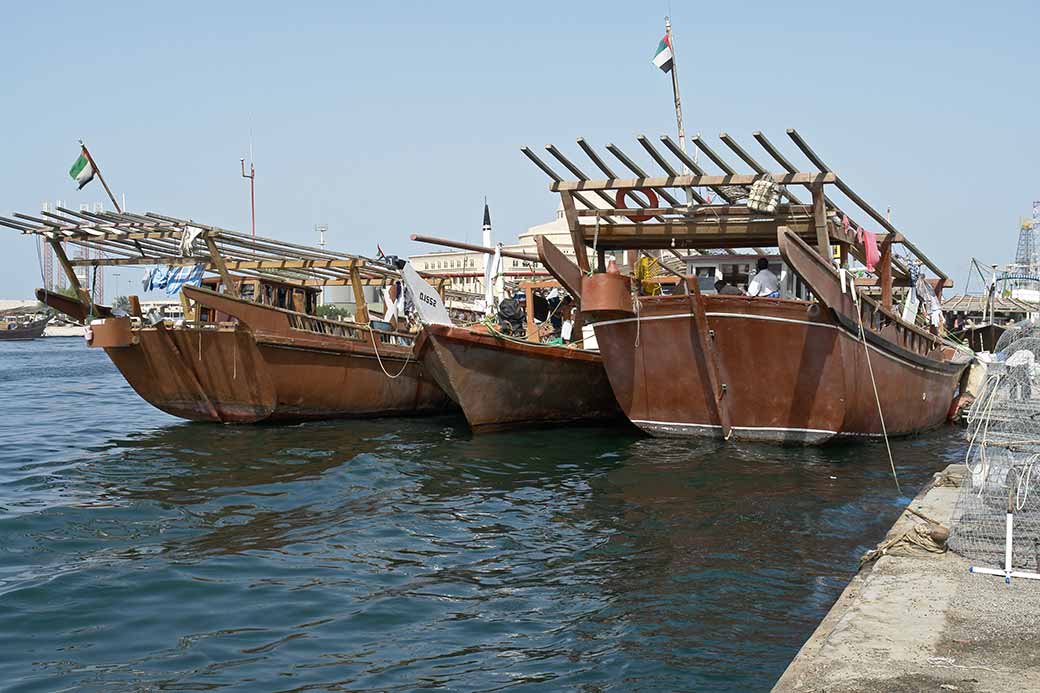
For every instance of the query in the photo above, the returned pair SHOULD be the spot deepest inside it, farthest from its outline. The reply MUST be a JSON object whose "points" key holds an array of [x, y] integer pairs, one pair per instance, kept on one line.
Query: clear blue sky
{"points": [[392, 118]]}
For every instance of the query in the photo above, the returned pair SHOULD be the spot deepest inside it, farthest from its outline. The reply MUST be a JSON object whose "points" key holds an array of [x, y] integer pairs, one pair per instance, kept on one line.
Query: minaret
{"points": [[487, 225]]}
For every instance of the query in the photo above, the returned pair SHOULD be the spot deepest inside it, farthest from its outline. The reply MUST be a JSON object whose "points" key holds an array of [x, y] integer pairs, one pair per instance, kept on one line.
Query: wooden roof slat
{"points": [[693, 166], [687, 181], [557, 178], [635, 168], [860, 202]]}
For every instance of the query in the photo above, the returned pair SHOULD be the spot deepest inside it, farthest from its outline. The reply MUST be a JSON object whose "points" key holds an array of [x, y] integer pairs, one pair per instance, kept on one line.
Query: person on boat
{"points": [[724, 288], [765, 284]]}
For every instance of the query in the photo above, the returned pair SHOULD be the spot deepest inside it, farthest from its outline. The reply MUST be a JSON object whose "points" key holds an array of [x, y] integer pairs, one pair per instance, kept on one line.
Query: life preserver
{"points": [[619, 201]]}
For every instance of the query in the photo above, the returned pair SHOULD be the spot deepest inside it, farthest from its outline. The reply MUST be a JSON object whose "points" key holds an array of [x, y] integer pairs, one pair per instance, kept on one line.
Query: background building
{"points": [[464, 269]]}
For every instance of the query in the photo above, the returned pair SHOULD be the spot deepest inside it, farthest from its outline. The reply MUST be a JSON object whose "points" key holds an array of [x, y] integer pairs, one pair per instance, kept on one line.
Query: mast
{"points": [[252, 198], [93, 165], [678, 101]]}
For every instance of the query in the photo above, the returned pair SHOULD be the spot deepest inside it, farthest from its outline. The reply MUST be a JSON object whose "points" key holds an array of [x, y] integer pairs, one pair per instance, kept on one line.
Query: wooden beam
{"points": [[705, 210], [823, 241], [70, 274], [189, 312], [532, 328], [689, 181], [218, 261], [710, 359], [742, 232], [361, 315], [581, 256], [885, 274]]}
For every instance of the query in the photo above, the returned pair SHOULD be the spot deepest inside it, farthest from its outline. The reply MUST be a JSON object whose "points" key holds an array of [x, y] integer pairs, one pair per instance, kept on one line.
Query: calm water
{"points": [[141, 552]]}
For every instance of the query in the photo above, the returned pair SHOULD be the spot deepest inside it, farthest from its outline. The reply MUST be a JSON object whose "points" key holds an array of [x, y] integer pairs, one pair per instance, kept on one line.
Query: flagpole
{"points": [[86, 153], [678, 101]]}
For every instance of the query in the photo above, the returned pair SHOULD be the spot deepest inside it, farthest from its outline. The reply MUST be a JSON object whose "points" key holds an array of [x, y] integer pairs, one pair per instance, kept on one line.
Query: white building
{"points": [[464, 269]]}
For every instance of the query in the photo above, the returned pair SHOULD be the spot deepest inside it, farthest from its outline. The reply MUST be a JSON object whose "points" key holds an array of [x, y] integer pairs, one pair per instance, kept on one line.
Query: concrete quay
{"points": [[922, 622]]}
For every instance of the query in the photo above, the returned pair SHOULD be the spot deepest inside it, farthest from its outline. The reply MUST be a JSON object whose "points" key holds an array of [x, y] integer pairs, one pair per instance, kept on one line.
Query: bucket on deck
{"points": [[606, 296]]}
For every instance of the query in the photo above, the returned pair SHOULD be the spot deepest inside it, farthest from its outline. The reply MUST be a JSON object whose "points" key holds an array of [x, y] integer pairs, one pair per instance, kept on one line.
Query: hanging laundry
{"points": [[179, 276], [389, 305], [155, 278], [188, 237], [871, 252]]}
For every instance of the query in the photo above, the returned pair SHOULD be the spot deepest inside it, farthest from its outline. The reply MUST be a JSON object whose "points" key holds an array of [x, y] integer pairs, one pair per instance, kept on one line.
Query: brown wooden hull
{"points": [[982, 337], [790, 377], [32, 330], [241, 374], [502, 384]]}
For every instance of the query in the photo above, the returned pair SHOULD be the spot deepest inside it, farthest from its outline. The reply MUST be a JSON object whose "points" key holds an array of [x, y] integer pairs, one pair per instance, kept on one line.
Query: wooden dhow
{"points": [[251, 347], [18, 329], [830, 358], [503, 381]]}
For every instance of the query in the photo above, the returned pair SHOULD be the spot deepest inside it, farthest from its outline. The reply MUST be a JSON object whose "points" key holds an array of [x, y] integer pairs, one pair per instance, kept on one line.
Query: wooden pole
{"points": [[581, 255], [885, 274], [70, 273], [532, 328], [218, 261], [823, 241], [93, 165], [361, 315], [678, 101], [706, 338], [119, 208]]}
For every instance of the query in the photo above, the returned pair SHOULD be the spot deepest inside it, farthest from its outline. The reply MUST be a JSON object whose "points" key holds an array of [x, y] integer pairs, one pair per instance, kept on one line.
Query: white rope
{"points": [[1023, 482], [877, 398], [372, 334]]}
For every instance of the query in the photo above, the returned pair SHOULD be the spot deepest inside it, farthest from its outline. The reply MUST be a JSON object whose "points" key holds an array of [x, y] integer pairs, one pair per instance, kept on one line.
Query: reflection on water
{"points": [[137, 551]]}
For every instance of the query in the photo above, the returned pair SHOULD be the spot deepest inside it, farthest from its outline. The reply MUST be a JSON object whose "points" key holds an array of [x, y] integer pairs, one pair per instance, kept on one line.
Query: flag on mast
{"points": [[82, 172], [663, 58]]}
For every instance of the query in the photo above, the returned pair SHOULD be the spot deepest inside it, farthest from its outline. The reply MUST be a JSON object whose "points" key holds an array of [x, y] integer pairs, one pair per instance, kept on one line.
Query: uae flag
{"points": [[663, 58], [82, 172]]}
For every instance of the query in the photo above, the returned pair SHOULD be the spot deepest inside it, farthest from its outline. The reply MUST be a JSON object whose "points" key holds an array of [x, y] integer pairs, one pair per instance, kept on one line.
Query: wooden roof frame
{"points": [[701, 225], [124, 238]]}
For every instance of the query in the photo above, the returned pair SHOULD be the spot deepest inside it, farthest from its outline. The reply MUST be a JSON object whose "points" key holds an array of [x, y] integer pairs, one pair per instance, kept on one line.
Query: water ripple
{"points": [[141, 552]]}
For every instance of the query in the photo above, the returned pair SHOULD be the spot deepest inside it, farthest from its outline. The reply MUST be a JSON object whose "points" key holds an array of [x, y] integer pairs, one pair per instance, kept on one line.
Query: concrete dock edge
{"points": [[923, 622]]}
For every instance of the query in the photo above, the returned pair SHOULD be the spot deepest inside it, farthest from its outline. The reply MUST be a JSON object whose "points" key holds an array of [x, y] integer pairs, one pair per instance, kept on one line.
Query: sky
{"points": [[386, 119]]}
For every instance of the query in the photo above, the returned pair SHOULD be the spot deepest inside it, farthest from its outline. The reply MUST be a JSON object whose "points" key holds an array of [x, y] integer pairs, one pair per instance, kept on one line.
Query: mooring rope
{"points": [[877, 398], [372, 334]]}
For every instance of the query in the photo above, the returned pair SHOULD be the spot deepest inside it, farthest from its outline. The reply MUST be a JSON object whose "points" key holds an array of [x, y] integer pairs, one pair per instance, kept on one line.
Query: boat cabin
{"points": [[738, 269], [265, 291]]}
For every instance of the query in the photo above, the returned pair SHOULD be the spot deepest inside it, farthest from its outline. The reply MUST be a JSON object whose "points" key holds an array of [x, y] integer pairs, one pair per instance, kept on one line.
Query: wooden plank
{"points": [[532, 328], [711, 361], [688, 181], [885, 274], [230, 287], [823, 241], [189, 312], [70, 274], [581, 256], [705, 210], [361, 315]]}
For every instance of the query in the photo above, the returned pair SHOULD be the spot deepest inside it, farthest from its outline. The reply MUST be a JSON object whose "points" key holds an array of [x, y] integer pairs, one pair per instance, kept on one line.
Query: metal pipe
{"points": [[471, 247]]}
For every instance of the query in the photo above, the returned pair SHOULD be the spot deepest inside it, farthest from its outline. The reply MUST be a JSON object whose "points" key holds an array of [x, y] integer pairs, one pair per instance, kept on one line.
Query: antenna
{"points": [[252, 190]]}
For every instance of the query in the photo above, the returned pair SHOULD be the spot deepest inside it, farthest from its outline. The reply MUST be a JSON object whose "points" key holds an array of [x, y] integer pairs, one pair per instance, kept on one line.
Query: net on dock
{"points": [[1003, 458]]}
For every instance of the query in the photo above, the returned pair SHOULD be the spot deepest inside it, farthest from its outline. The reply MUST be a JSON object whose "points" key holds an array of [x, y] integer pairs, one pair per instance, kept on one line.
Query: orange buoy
{"points": [[619, 201]]}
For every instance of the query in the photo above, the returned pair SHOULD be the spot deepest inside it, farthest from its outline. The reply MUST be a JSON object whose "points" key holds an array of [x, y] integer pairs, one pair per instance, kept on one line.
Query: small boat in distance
{"points": [[22, 328]]}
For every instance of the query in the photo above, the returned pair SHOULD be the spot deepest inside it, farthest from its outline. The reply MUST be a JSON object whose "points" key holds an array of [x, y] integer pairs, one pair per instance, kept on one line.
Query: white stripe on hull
{"points": [[756, 433]]}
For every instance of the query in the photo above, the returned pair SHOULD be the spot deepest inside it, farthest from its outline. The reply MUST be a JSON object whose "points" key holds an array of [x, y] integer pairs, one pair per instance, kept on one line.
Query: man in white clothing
{"points": [[765, 283]]}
